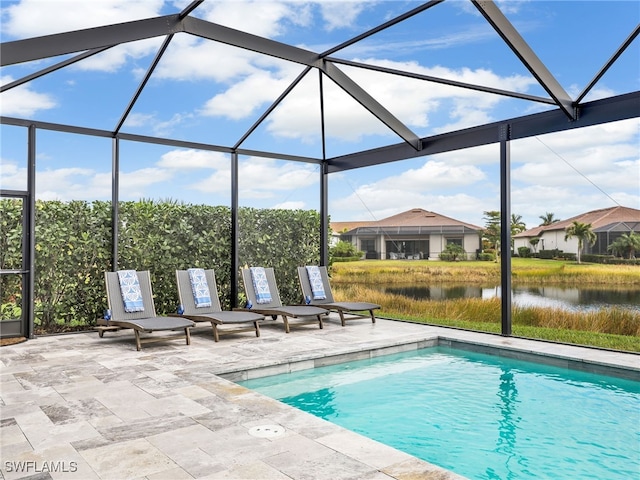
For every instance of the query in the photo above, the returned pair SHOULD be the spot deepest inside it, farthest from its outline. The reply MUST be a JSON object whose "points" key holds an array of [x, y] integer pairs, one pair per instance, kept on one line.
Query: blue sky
{"points": [[212, 93]]}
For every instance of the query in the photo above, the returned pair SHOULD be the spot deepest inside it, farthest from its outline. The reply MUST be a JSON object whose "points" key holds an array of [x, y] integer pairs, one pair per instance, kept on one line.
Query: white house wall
{"points": [[550, 241], [471, 243]]}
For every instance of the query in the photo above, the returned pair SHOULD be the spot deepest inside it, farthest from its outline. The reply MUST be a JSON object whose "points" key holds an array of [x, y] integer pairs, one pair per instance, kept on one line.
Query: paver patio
{"points": [[80, 406]]}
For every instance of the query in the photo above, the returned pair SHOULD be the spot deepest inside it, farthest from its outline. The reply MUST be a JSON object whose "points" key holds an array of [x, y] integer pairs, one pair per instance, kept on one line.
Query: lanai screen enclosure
{"points": [[326, 75]]}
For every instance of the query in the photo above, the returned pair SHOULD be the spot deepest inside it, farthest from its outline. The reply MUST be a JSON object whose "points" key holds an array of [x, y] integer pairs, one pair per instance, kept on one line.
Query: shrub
{"points": [[452, 253], [486, 257], [524, 252], [344, 250], [74, 249], [609, 259]]}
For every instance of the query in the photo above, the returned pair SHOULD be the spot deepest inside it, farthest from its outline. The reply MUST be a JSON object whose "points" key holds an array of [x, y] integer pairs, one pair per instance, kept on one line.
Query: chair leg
{"points": [[216, 336], [373, 317], [342, 319], [320, 324], [187, 333], [138, 345], [257, 325], [286, 323]]}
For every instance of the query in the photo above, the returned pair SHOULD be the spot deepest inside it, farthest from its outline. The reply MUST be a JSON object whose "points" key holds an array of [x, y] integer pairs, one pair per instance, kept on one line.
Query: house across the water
{"points": [[608, 224], [414, 234]]}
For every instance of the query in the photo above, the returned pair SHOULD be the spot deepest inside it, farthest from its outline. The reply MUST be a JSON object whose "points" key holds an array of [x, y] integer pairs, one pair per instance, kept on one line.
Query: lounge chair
{"points": [[196, 307], [138, 312], [266, 299], [322, 288]]}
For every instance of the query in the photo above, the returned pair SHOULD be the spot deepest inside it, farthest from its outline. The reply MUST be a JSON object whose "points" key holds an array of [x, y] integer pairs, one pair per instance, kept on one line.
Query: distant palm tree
{"points": [[517, 225], [547, 219], [627, 242], [583, 232]]}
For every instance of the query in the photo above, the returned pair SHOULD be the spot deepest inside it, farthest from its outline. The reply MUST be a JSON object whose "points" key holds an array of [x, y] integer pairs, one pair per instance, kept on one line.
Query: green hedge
{"points": [[609, 259], [73, 250]]}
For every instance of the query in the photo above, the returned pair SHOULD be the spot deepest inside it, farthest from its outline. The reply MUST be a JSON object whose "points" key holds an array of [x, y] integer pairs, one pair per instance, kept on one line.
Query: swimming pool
{"points": [[479, 415]]}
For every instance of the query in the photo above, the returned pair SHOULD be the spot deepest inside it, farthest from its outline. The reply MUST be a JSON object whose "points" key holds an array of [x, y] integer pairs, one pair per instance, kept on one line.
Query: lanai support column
{"points": [[324, 216], [324, 184], [505, 227], [115, 194], [27, 300], [234, 229]]}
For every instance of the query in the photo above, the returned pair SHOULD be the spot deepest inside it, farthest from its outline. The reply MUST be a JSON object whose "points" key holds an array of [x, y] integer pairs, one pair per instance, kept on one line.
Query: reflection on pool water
{"points": [[481, 416]]}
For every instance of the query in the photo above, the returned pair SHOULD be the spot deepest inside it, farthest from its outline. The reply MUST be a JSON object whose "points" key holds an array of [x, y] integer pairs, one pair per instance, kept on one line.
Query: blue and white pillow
{"points": [[315, 280], [130, 290], [260, 285], [199, 287]]}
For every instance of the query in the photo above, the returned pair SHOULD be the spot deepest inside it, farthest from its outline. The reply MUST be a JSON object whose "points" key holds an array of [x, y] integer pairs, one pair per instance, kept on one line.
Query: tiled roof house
{"points": [[608, 224], [414, 234]]}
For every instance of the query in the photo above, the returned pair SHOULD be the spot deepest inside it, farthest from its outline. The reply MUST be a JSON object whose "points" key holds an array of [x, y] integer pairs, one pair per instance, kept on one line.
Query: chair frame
{"points": [[145, 321], [304, 313], [329, 303], [213, 314]]}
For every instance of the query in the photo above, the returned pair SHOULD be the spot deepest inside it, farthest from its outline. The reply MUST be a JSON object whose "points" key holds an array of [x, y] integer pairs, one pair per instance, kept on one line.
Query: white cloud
{"points": [[133, 184], [411, 101], [606, 155], [434, 175], [189, 58], [194, 159], [266, 19], [23, 101], [12, 177], [72, 184], [87, 184], [164, 128], [139, 119], [260, 178], [236, 104], [159, 127], [290, 205], [541, 182], [341, 14], [34, 18]]}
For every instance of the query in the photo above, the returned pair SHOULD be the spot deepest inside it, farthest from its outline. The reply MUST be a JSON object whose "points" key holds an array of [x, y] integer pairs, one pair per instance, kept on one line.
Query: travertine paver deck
{"points": [[80, 406]]}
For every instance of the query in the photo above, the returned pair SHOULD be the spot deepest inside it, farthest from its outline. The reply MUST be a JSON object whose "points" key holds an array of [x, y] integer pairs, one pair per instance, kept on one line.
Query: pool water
{"points": [[481, 416]]}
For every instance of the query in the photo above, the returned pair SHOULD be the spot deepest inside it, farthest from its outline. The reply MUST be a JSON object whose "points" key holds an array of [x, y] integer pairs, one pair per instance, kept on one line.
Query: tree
{"points": [[345, 249], [583, 232], [547, 219], [534, 243], [492, 228], [517, 225], [453, 252], [626, 243]]}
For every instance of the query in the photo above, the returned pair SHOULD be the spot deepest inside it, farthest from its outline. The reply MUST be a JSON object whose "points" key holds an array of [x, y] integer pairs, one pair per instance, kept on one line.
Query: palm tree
{"points": [[583, 232], [517, 225], [547, 219], [627, 242], [632, 240]]}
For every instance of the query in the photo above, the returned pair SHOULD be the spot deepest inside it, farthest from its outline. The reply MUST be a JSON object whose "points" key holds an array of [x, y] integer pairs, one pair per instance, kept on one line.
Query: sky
{"points": [[206, 92]]}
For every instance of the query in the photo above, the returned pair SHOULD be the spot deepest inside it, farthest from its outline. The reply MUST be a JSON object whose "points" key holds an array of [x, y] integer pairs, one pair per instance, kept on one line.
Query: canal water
{"points": [[568, 298]]}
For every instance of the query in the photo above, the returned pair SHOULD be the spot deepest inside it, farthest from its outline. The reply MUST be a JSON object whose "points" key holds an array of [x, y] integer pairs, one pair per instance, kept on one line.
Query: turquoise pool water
{"points": [[481, 416]]}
